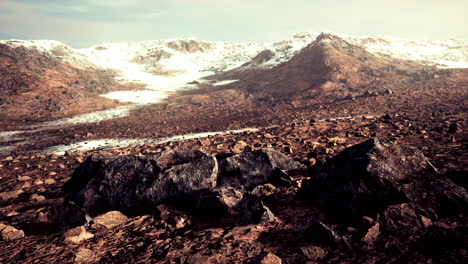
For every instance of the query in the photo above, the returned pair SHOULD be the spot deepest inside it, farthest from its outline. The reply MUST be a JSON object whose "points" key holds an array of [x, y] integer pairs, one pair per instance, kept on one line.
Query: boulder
{"points": [[133, 184], [227, 204], [9, 233], [110, 219], [270, 258], [249, 169], [371, 175], [77, 235], [401, 219]]}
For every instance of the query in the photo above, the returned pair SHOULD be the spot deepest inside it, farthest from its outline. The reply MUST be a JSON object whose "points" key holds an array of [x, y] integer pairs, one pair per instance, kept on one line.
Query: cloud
{"points": [[86, 22]]}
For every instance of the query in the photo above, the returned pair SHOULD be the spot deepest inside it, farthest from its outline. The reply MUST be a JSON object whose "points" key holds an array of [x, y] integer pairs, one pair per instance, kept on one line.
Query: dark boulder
{"points": [[218, 202], [227, 205], [369, 176], [401, 220], [134, 185], [407, 232], [250, 169], [189, 179]]}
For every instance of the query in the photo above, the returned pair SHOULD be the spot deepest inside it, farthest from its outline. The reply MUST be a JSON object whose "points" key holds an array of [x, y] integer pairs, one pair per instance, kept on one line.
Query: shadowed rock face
{"points": [[251, 169], [135, 185], [377, 173], [228, 204]]}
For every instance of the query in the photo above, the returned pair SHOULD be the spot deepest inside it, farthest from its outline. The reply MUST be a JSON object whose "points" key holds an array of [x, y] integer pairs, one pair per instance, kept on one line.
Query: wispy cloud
{"points": [[86, 22]]}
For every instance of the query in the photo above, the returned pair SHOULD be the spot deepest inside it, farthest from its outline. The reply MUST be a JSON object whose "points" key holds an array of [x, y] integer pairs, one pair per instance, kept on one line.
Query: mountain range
{"points": [[51, 80]]}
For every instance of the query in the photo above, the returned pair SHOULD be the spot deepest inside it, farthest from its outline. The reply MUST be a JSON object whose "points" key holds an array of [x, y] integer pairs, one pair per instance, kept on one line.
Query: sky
{"points": [[83, 23]]}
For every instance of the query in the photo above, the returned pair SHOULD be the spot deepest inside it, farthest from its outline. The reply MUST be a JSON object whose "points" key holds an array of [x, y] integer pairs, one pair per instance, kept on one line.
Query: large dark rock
{"points": [[134, 185], [376, 173], [401, 220], [191, 179], [228, 205], [250, 169]]}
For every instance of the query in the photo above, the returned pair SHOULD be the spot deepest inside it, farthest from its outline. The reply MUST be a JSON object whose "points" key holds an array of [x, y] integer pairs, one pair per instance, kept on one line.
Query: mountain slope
{"points": [[38, 84], [331, 66], [68, 81]]}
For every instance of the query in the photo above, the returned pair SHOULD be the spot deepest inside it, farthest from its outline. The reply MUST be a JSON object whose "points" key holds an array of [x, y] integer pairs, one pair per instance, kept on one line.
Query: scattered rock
{"points": [[42, 217], [24, 178], [314, 252], [52, 106], [270, 258], [388, 91], [250, 169], [401, 219], [212, 203], [110, 219], [11, 194], [372, 234], [263, 190], [173, 217], [371, 175], [455, 128], [37, 198], [10, 233], [77, 235], [251, 210], [84, 255], [50, 181], [38, 182]]}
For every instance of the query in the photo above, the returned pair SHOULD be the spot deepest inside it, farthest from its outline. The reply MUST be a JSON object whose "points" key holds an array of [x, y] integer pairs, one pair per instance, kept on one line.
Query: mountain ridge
{"points": [[159, 68]]}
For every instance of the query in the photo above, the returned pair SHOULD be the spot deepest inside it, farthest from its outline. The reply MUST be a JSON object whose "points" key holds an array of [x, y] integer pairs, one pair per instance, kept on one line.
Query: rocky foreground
{"points": [[315, 192]]}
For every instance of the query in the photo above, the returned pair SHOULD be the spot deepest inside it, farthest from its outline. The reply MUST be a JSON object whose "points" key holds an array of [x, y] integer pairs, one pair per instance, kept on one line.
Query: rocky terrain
{"points": [[353, 156], [38, 86]]}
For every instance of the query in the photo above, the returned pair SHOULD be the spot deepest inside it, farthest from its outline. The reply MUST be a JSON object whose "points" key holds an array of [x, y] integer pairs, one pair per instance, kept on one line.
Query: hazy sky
{"points": [[82, 23]]}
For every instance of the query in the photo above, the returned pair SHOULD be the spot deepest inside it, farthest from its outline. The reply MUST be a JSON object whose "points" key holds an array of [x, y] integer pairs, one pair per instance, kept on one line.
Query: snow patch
{"points": [[224, 82], [138, 97], [122, 143], [98, 116]]}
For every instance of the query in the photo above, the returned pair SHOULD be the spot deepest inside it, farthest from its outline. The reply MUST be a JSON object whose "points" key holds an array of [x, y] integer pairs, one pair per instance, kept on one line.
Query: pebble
{"points": [[10, 233], [77, 235], [24, 178], [270, 258], [50, 181], [38, 198], [84, 255], [110, 219], [10, 195]]}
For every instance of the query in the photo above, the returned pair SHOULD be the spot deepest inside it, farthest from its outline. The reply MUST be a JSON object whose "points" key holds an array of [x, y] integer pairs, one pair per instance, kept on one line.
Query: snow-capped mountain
{"points": [[445, 54], [53, 49], [168, 65]]}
